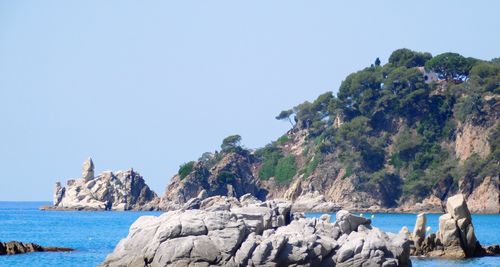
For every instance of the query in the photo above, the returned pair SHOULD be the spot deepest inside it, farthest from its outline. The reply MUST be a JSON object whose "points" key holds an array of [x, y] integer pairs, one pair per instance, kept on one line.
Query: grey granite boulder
{"points": [[315, 202], [88, 170], [456, 231], [193, 203], [348, 222], [219, 203], [257, 234], [418, 234], [248, 199], [455, 237]]}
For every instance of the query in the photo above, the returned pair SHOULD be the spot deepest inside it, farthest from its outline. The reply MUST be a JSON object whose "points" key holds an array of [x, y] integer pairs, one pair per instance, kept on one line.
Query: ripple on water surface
{"points": [[95, 234]]}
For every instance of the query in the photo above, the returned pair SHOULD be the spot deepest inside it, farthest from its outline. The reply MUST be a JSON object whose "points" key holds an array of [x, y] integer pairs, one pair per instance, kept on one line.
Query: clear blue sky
{"points": [[153, 84]]}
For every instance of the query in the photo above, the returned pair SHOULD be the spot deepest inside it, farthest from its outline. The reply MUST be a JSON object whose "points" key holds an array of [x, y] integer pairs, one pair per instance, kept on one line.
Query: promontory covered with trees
{"points": [[404, 135]]}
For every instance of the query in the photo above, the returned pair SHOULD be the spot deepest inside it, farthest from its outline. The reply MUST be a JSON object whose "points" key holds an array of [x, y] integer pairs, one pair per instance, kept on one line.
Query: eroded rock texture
{"points": [[123, 190], [315, 202], [232, 176], [227, 232], [455, 237]]}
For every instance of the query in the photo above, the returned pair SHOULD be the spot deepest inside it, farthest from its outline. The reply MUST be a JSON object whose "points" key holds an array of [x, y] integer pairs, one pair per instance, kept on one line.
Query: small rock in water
{"points": [[455, 237], [15, 247]]}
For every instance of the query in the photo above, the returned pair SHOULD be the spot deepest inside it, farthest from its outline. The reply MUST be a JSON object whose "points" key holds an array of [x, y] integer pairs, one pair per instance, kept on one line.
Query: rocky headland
{"points": [[123, 190], [407, 148], [226, 231], [15, 247], [233, 176], [390, 140]]}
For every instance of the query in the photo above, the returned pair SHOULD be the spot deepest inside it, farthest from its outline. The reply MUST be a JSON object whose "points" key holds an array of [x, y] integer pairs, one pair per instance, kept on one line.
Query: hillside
{"points": [[403, 135]]}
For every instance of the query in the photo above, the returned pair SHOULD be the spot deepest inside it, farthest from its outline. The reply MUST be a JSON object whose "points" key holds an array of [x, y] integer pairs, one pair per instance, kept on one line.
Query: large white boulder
{"points": [[315, 202], [258, 234], [455, 237]]}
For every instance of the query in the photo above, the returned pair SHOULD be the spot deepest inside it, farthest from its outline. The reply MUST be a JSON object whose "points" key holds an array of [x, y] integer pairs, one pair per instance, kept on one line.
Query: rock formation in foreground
{"points": [[123, 190], [15, 247], [455, 237], [225, 231]]}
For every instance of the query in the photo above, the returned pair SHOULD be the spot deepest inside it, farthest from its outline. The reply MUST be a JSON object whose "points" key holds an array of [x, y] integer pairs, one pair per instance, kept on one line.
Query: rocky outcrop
{"points": [[15, 247], [364, 155], [237, 173], [233, 176], [88, 170], [418, 234], [58, 193], [455, 237], [227, 232], [123, 190], [456, 231]]}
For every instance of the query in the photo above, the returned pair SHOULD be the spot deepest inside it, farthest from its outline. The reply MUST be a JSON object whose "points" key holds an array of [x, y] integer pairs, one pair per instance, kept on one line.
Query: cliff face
{"points": [[485, 197], [390, 139], [482, 188], [471, 139], [123, 190]]}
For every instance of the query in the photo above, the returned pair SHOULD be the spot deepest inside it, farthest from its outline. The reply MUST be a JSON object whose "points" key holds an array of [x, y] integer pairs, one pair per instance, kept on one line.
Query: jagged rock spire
{"points": [[58, 193], [88, 170]]}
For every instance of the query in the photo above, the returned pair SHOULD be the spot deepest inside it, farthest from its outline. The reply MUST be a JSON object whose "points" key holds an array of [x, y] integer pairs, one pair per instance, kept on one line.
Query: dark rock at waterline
{"points": [[16, 247], [492, 250]]}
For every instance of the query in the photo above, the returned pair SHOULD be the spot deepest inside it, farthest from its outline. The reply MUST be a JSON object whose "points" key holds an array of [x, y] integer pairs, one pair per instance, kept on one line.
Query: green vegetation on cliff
{"points": [[285, 169], [389, 125], [395, 131], [186, 169]]}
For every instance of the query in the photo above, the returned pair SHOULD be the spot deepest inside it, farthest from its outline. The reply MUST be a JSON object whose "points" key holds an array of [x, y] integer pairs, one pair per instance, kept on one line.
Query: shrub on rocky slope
{"points": [[413, 131]]}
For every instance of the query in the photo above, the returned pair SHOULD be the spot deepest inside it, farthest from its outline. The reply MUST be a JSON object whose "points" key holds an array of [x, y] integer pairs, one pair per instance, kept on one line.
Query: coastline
{"points": [[91, 209], [353, 210], [106, 228], [222, 226]]}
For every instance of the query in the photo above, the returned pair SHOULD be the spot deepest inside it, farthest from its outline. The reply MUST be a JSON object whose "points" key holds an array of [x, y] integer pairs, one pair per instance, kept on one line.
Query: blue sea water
{"points": [[92, 234], [95, 234]]}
